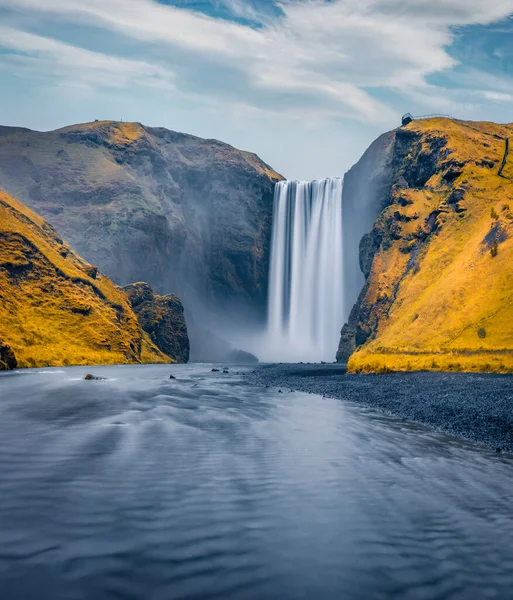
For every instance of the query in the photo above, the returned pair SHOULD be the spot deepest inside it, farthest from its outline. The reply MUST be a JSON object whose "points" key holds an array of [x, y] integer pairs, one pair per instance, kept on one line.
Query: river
{"points": [[145, 487]]}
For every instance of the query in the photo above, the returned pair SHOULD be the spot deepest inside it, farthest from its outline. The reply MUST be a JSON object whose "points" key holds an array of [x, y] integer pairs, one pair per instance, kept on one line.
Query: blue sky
{"points": [[307, 84]]}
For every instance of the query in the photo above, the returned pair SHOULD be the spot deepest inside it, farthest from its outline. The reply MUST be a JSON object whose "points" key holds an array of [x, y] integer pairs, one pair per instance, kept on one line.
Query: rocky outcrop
{"points": [[437, 291], [188, 215], [56, 309], [7, 359], [162, 318]]}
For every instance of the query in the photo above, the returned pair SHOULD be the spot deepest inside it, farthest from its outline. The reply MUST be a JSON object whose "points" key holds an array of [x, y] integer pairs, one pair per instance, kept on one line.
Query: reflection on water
{"points": [[142, 487]]}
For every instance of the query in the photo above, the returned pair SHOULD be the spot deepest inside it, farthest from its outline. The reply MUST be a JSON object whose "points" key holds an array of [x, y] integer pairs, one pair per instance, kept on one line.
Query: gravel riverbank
{"points": [[477, 407]]}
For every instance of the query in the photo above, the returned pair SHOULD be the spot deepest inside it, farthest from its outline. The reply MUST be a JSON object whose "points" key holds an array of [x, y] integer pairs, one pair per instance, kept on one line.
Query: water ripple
{"points": [[205, 488]]}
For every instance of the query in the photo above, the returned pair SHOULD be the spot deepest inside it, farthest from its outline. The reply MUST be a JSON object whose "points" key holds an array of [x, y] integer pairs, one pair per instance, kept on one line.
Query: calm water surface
{"points": [[142, 487]]}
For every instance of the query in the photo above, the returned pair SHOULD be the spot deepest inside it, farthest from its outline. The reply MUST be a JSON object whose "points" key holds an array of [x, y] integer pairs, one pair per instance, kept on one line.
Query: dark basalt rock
{"points": [[495, 236], [351, 331], [90, 377], [456, 196], [452, 174], [432, 223], [92, 272], [416, 161], [486, 163], [369, 245], [401, 184], [404, 201], [162, 317], [7, 358]]}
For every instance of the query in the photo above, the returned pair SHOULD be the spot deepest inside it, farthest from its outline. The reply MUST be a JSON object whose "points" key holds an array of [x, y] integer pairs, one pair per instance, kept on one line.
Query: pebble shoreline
{"points": [[476, 407]]}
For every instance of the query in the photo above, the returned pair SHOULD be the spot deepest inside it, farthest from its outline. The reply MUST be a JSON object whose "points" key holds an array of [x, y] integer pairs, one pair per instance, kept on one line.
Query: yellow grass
{"points": [[54, 309], [458, 288], [119, 131], [253, 160]]}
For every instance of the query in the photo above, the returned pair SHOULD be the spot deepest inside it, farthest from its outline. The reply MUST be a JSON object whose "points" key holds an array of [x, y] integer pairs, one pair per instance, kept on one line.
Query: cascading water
{"points": [[305, 310]]}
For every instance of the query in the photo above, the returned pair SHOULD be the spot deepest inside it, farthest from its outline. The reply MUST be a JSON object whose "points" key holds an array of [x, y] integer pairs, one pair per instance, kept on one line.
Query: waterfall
{"points": [[305, 311]]}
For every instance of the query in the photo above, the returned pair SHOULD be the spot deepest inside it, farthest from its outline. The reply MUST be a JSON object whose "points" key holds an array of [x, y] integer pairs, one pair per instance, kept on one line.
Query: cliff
{"points": [[364, 196], [55, 308], [188, 215], [162, 319], [437, 261]]}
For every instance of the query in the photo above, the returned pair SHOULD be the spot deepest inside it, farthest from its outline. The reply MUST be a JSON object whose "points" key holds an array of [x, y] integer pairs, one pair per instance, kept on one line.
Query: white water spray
{"points": [[306, 275]]}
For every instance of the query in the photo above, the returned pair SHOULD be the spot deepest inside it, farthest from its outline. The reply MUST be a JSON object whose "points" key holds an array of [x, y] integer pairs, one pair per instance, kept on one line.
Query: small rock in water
{"points": [[225, 371], [172, 377], [280, 392], [498, 450], [215, 370], [90, 377]]}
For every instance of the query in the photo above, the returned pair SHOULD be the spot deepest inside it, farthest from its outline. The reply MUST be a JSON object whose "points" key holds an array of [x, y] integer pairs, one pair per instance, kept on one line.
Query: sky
{"points": [[306, 84]]}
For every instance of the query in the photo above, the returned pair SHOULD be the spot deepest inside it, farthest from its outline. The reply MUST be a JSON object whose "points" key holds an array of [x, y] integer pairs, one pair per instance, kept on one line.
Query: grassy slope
{"points": [[54, 309], [454, 292]]}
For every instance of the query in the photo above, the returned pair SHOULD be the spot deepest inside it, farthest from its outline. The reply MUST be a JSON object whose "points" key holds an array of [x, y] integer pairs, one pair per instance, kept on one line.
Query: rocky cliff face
{"points": [[366, 188], [437, 260], [187, 215], [161, 318], [56, 309]]}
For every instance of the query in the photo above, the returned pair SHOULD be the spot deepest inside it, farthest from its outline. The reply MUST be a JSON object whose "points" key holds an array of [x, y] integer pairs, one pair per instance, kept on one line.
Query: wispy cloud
{"points": [[497, 96], [42, 57], [330, 56]]}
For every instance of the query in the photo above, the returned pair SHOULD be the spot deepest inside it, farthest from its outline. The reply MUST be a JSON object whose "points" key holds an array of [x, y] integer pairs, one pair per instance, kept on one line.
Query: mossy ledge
{"points": [[438, 294], [56, 309]]}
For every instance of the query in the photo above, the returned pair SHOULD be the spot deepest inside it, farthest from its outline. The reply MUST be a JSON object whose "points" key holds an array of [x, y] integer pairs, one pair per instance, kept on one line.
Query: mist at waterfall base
{"points": [[306, 308]]}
